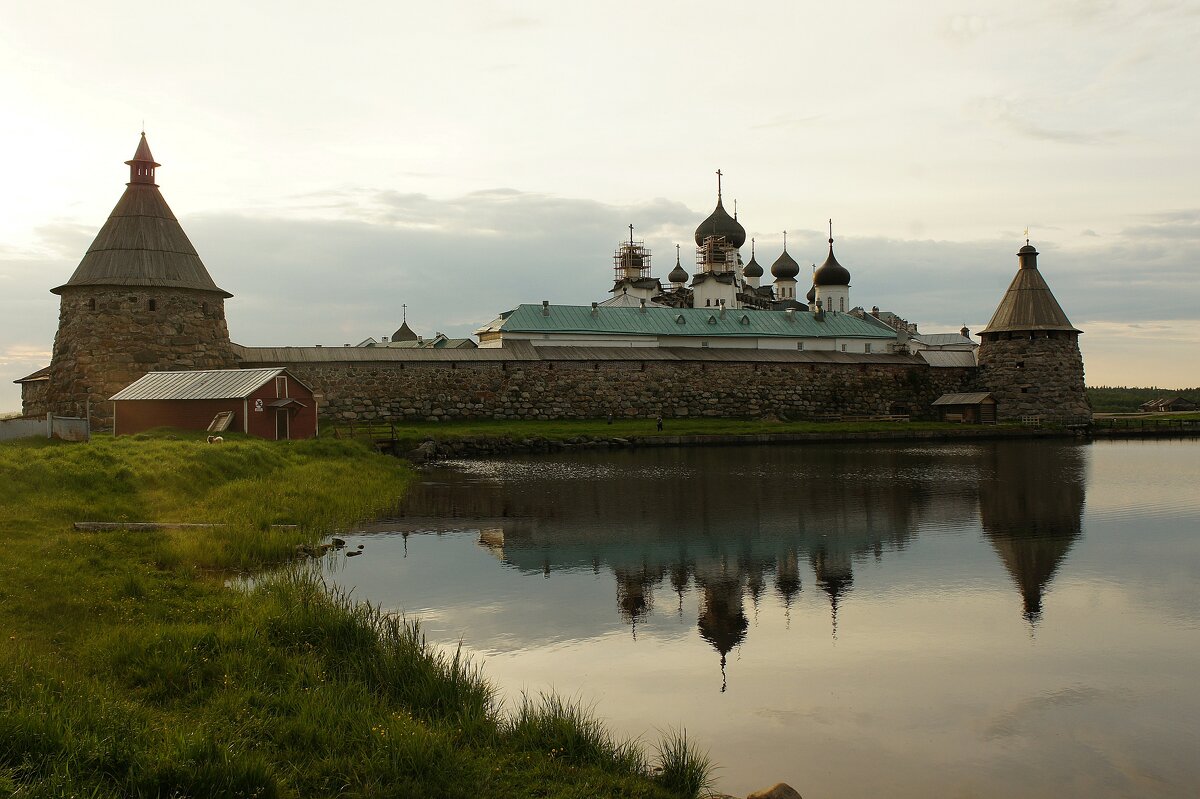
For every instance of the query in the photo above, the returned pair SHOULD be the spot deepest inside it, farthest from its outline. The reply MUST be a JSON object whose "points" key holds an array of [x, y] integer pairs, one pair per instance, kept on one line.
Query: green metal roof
{"points": [[686, 322]]}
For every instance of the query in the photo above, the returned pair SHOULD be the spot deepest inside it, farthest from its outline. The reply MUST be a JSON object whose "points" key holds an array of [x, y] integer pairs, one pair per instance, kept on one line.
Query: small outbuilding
{"points": [[268, 403], [973, 408], [1168, 405]]}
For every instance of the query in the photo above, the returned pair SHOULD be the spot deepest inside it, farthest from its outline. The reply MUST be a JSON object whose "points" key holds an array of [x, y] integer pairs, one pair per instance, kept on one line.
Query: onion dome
{"points": [[404, 333], [752, 269], [720, 223], [678, 274], [811, 296], [785, 266], [831, 273]]}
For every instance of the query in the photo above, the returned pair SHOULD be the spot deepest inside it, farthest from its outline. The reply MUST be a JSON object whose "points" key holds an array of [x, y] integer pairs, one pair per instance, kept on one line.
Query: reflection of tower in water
{"points": [[1031, 507]]}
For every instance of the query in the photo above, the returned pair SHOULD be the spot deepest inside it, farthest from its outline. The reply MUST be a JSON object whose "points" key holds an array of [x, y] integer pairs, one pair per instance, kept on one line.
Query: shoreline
{"points": [[433, 449]]}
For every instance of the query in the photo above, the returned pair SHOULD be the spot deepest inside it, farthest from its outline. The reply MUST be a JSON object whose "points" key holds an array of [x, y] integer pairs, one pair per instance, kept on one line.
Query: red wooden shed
{"points": [[268, 403]]}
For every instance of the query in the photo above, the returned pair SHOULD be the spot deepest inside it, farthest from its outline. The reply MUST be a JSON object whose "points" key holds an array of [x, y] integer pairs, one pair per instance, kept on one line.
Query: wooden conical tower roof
{"points": [[1028, 304], [142, 243]]}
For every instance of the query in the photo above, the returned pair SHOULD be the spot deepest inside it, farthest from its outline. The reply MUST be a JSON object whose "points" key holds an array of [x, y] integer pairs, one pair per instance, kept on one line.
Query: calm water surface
{"points": [[985, 620]]}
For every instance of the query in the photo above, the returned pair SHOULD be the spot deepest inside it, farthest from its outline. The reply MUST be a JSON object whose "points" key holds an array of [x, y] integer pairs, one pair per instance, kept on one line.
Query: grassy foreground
{"points": [[133, 665]]}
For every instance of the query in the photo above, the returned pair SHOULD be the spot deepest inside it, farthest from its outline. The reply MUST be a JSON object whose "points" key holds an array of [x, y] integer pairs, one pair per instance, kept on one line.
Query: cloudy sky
{"points": [[464, 157]]}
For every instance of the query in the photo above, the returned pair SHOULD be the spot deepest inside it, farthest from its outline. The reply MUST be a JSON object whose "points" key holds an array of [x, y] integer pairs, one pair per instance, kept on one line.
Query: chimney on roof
{"points": [[722, 312], [383, 339], [790, 315], [545, 307], [595, 308], [875, 311], [643, 307]]}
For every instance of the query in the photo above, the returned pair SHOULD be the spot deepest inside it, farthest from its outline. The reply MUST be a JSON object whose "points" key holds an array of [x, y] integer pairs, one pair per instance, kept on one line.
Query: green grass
{"points": [[135, 666]]}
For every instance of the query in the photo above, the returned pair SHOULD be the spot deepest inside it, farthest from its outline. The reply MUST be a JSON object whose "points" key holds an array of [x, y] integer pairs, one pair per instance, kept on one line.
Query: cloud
{"points": [[1011, 115]]}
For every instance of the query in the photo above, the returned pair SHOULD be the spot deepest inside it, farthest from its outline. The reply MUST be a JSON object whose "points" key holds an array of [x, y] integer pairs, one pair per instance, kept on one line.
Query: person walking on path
{"points": [[658, 421]]}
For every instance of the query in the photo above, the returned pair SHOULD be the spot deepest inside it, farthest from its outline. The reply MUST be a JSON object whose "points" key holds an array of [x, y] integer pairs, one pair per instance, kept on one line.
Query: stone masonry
{"points": [[1035, 374], [108, 336], [436, 390]]}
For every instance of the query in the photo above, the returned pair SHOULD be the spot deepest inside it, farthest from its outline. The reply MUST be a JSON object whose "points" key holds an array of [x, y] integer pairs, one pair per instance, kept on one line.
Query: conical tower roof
{"points": [[1028, 304], [142, 243]]}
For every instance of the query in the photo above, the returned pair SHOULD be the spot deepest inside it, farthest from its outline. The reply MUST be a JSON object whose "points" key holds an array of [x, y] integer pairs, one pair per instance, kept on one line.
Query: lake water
{"points": [[985, 620]]}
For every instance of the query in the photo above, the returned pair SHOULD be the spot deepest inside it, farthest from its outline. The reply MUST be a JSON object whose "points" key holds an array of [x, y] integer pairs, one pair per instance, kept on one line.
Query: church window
{"points": [[799, 345], [843, 348], [841, 303], [867, 347], [703, 343]]}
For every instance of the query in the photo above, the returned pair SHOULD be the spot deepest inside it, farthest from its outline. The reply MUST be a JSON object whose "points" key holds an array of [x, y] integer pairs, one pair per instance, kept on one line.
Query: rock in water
{"points": [[354, 553], [780, 790], [339, 542]]}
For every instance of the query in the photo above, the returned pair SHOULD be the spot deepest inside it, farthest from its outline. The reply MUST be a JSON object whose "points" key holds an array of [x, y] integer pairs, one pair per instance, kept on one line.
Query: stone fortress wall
{"points": [[441, 390]]}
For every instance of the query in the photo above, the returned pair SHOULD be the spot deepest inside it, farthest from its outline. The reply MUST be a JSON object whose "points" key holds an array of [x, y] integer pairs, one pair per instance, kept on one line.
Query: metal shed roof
{"points": [[973, 398], [209, 384], [947, 359]]}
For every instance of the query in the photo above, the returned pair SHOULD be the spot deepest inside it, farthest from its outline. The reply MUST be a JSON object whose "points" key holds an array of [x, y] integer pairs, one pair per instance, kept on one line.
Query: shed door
{"points": [[987, 413], [281, 424]]}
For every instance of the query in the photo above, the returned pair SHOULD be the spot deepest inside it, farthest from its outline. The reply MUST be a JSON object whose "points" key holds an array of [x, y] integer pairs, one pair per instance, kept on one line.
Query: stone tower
{"points": [[1029, 357], [139, 301]]}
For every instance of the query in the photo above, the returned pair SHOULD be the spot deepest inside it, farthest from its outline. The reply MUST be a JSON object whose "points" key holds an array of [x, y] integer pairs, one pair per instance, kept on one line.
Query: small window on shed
{"points": [[867, 347], [151, 305], [1020, 364], [281, 387], [703, 343], [92, 304], [799, 345], [843, 348]]}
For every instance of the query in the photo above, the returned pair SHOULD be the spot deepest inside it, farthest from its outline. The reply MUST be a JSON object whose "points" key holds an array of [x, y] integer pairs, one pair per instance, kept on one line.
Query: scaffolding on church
{"points": [[631, 261]]}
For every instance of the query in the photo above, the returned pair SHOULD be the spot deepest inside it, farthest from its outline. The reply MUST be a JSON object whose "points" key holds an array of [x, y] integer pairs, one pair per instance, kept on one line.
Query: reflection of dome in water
{"points": [[787, 577], [635, 593]]}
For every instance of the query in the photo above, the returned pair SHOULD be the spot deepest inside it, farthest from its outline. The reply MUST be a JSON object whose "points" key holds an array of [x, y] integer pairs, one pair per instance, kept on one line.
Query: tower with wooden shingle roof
{"points": [[1029, 357], [140, 301]]}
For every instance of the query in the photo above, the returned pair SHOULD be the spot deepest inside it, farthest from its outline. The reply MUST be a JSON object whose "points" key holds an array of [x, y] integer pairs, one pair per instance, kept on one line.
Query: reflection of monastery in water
{"points": [[720, 521]]}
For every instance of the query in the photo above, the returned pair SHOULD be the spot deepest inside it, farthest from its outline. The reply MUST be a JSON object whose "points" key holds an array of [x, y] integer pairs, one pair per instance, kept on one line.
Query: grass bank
{"points": [[132, 667]]}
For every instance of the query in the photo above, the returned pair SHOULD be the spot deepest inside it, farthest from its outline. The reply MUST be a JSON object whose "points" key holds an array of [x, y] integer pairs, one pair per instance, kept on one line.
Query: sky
{"points": [[332, 166]]}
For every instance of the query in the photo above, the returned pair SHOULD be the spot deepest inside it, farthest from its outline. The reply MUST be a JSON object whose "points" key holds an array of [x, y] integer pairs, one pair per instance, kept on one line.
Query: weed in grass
{"points": [[681, 767]]}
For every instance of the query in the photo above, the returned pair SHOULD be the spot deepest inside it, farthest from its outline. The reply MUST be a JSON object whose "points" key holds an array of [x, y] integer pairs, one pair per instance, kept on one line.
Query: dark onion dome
{"points": [[678, 274], [811, 296], [831, 273], [404, 333], [785, 267], [720, 223], [752, 269]]}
